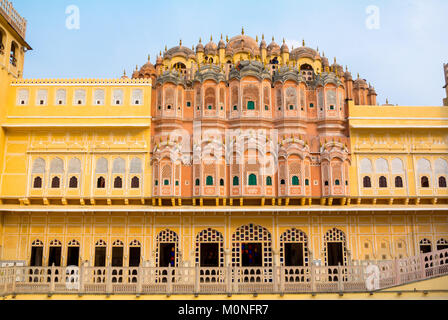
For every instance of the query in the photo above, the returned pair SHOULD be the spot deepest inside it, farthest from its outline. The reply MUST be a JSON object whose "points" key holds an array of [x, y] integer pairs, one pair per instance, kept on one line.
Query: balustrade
{"points": [[221, 280]]}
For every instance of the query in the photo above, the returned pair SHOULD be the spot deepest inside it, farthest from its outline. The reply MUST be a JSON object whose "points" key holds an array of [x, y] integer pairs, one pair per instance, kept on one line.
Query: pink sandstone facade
{"points": [[274, 125]]}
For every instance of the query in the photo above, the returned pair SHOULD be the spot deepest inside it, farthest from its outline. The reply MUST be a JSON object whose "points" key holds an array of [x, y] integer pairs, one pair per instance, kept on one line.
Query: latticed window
{"points": [[425, 246], [269, 181], [335, 248], [250, 105], [167, 250], [251, 246], [294, 248], [236, 181], [210, 248]]}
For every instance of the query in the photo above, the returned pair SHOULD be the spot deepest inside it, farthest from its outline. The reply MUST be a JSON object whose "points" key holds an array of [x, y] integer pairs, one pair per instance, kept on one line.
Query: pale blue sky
{"points": [[403, 59]]}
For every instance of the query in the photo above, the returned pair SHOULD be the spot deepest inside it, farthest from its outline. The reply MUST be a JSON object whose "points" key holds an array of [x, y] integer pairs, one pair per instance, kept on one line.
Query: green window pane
{"points": [[250, 105], [269, 181], [295, 181], [252, 180], [209, 181], [236, 181]]}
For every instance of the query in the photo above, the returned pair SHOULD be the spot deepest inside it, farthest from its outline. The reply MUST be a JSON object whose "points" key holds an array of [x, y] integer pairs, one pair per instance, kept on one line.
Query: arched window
{"points": [[13, 54], [55, 183], [252, 247], [55, 253], [307, 182], [366, 182], [101, 183], [100, 254], [118, 183], [252, 180], [221, 182], [398, 182], [326, 183], [167, 249], [335, 250], [209, 181], [73, 184], [166, 182], [282, 182], [295, 181], [209, 251], [383, 182], [425, 246], [37, 183], [236, 181], [442, 182], [198, 182], [337, 182], [425, 182], [250, 105], [73, 253], [269, 181], [135, 183], [37, 249]]}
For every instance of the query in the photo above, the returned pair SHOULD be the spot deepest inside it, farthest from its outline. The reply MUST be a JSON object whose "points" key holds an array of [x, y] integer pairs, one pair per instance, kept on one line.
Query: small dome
{"points": [[361, 83], [211, 47], [284, 48], [200, 46], [348, 76], [372, 91], [242, 43], [304, 52], [273, 48], [159, 60], [221, 44]]}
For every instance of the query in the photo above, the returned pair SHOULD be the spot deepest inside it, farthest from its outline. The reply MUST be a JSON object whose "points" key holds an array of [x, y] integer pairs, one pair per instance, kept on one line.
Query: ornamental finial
{"points": [[303, 42], [242, 31]]}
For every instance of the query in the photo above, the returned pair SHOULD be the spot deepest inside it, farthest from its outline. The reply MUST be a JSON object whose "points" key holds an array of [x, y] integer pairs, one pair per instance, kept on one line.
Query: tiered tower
{"points": [[251, 101]]}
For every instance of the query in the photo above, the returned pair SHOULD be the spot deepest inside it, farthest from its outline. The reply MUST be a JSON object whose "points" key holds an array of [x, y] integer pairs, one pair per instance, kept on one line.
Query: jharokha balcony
{"points": [[357, 276]]}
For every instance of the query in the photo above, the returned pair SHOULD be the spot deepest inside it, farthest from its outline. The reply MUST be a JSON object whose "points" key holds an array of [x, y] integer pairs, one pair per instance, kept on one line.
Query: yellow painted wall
{"points": [[406, 133], [369, 236]]}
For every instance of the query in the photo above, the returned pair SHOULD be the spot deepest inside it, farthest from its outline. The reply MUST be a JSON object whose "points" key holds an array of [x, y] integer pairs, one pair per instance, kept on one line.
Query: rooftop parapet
{"points": [[12, 16], [81, 81]]}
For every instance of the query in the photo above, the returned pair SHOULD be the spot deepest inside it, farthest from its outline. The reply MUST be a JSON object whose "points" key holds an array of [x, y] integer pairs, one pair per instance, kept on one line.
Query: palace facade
{"points": [[240, 154]]}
